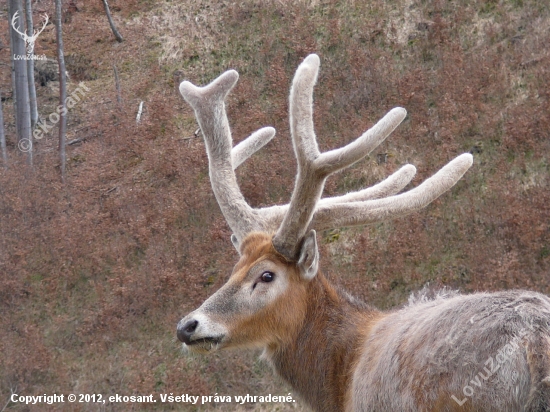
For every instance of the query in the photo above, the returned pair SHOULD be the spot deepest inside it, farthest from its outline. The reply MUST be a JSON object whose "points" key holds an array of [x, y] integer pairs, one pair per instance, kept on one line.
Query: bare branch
{"points": [[13, 391], [3, 136], [117, 85], [116, 33], [140, 111]]}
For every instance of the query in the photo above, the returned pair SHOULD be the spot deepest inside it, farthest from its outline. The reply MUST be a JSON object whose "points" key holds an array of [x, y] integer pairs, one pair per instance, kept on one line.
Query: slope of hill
{"points": [[95, 274]]}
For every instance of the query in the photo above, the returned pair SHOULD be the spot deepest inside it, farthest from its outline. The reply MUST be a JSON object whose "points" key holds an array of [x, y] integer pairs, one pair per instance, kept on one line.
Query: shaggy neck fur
{"points": [[320, 361]]}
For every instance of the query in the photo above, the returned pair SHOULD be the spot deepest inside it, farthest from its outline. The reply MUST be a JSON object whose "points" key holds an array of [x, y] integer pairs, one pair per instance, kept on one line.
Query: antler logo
{"points": [[29, 40]]}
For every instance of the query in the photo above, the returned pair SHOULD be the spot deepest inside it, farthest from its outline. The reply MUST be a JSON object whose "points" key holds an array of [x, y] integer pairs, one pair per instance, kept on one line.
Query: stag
{"points": [[29, 40], [450, 352]]}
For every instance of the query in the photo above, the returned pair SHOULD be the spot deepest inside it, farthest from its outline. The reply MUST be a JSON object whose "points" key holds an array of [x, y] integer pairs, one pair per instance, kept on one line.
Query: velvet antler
{"points": [[306, 209]]}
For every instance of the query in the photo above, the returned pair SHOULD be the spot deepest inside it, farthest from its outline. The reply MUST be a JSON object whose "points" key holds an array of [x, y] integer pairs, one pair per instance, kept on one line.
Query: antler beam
{"points": [[209, 106]]}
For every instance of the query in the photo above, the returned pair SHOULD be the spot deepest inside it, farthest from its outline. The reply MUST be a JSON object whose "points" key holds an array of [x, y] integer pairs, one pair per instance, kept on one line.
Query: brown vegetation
{"points": [[95, 274]]}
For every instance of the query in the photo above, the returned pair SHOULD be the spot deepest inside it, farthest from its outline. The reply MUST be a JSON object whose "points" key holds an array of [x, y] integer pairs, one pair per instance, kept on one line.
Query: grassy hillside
{"points": [[96, 273]]}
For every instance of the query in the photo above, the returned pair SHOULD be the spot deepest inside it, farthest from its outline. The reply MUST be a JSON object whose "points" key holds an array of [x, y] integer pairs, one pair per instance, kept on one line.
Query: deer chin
{"points": [[205, 345]]}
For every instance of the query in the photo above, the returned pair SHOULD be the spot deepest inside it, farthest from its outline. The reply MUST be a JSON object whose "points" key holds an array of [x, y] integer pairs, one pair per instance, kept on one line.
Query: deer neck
{"points": [[320, 359]]}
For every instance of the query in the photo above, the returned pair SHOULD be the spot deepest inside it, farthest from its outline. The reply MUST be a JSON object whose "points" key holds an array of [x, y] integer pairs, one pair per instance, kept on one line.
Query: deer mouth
{"points": [[206, 344]]}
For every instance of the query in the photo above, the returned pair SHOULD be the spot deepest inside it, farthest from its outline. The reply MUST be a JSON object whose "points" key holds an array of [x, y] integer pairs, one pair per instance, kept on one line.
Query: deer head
{"points": [[29, 40], [264, 301]]}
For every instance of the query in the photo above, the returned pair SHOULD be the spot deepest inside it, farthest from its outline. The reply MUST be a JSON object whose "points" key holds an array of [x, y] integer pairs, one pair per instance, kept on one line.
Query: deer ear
{"points": [[235, 242], [308, 262]]}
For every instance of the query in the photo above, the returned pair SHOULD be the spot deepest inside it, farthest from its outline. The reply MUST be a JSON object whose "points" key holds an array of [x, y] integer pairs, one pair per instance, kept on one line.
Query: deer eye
{"points": [[267, 277]]}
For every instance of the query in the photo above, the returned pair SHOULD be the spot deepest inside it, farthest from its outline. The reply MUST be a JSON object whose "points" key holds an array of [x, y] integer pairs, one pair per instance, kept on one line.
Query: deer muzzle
{"points": [[199, 333]]}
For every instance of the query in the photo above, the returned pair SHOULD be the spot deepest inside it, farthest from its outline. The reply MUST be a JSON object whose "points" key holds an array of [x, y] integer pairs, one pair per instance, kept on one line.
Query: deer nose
{"points": [[186, 330]]}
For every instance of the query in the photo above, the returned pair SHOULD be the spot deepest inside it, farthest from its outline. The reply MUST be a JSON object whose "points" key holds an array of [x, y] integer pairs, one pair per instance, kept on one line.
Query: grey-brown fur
{"points": [[429, 351], [419, 357]]}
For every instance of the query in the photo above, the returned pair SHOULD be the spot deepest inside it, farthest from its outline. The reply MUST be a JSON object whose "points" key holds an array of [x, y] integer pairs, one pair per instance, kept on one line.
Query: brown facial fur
{"points": [[274, 323]]}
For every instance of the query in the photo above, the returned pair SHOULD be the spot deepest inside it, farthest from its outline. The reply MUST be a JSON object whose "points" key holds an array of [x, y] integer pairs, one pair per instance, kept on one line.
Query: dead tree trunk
{"points": [[12, 66], [3, 136], [117, 85], [62, 87], [30, 67], [118, 37], [21, 91]]}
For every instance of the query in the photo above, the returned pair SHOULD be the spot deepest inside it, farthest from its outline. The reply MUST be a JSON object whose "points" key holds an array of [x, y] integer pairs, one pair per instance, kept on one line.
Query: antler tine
{"points": [[308, 186], [208, 104], [390, 186], [362, 213], [334, 160], [313, 166], [251, 145]]}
